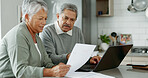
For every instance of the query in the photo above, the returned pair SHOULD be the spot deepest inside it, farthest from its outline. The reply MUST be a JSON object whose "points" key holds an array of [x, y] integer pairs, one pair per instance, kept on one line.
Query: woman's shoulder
{"points": [[22, 31]]}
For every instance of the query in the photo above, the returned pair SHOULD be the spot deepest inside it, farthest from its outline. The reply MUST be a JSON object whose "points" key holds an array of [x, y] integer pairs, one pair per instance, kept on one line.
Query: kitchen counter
{"points": [[122, 72], [129, 54], [138, 54], [126, 72]]}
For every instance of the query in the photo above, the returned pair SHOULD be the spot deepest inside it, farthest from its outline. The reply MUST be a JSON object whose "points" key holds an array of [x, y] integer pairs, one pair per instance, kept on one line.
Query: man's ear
{"points": [[57, 16], [26, 17]]}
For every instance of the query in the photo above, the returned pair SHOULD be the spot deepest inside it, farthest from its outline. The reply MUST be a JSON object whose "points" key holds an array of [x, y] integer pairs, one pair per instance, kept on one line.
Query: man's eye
{"points": [[40, 18], [66, 18], [72, 19]]}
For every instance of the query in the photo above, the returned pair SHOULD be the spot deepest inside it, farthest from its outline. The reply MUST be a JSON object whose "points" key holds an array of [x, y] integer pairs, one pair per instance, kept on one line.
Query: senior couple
{"points": [[22, 53]]}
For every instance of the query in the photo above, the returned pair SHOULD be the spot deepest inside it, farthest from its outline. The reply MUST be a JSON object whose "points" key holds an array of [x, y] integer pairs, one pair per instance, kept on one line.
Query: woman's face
{"points": [[38, 21]]}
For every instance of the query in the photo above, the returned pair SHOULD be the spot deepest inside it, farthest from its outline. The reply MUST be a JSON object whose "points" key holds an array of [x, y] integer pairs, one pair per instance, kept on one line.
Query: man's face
{"points": [[38, 21], [66, 20]]}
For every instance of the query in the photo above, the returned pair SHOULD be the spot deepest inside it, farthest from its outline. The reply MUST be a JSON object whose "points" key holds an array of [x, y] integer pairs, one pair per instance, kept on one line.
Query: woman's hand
{"points": [[59, 70]]}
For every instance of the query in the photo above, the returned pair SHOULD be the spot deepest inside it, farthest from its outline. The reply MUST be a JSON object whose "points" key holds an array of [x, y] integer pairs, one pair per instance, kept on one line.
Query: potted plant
{"points": [[105, 42]]}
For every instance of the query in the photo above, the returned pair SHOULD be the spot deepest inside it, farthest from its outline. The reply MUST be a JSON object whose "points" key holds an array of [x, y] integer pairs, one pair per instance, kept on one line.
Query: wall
{"points": [[125, 22], [54, 6], [0, 19], [94, 28], [86, 20], [9, 15], [122, 21]]}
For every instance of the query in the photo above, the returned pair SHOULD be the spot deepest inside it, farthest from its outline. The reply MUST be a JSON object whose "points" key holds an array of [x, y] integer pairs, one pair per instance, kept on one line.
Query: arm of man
{"points": [[50, 47], [95, 60]]}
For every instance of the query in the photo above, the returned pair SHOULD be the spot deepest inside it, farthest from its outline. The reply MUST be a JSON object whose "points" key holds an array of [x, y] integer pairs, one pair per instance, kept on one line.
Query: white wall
{"points": [[125, 22], [9, 15]]}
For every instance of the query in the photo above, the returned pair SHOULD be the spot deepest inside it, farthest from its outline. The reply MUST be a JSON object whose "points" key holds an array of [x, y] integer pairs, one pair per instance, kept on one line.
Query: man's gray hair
{"points": [[31, 7], [69, 6]]}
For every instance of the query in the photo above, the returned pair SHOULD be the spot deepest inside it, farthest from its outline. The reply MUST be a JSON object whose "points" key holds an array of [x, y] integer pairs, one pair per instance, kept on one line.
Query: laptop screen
{"points": [[113, 57]]}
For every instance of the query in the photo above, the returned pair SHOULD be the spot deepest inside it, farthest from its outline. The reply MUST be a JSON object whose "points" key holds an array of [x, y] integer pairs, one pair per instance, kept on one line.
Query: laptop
{"points": [[111, 59]]}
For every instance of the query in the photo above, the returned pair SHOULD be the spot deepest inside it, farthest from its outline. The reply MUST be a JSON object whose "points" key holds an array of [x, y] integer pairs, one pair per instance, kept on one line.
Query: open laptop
{"points": [[111, 59]]}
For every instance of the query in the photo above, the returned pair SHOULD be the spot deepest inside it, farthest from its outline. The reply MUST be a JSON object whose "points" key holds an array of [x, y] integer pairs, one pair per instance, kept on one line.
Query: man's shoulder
{"points": [[76, 28], [49, 27]]}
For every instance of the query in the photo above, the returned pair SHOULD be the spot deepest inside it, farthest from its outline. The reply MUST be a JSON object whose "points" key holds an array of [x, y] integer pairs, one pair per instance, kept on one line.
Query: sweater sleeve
{"points": [[47, 62], [19, 57]]}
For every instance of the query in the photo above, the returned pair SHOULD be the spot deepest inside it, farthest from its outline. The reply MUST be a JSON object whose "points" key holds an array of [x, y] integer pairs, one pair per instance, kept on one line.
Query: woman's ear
{"points": [[57, 16], [26, 17]]}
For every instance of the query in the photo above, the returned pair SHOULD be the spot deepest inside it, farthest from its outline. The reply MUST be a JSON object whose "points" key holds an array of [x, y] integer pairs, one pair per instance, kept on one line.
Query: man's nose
{"points": [[68, 21]]}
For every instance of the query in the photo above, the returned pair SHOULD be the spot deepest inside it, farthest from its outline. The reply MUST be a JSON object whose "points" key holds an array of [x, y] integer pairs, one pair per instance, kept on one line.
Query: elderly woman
{"points": [[22, 53]]}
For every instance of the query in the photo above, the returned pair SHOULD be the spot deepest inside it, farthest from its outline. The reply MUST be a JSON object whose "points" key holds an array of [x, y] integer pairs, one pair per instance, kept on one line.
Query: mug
{"points": [[100, 12]]}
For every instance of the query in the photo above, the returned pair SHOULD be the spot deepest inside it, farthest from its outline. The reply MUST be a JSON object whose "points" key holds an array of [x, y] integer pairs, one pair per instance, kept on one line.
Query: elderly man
{"points": [[59, 38]]}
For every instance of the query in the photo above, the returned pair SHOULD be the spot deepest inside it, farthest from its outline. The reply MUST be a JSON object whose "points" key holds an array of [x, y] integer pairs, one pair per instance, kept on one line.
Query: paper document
{"points": [[79, 56], [88, 75]]}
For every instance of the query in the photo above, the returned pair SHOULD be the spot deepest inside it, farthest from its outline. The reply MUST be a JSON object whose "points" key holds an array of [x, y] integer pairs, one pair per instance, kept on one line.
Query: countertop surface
{"points": [[122, 72], [129, 54], [126, 72], [138, 54]]}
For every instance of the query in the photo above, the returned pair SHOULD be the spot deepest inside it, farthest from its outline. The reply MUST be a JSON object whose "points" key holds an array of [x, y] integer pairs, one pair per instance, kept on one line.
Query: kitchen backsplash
{"points": [[124, 22]]}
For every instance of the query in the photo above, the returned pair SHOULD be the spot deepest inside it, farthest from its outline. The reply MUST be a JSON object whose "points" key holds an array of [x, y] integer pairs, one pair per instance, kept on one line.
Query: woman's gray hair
{"points": [[31, 7], [69, 6]]}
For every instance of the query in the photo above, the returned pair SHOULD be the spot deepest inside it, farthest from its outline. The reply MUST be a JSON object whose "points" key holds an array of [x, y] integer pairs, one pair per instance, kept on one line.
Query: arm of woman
{"points": [[20, 56], [57, 71]]}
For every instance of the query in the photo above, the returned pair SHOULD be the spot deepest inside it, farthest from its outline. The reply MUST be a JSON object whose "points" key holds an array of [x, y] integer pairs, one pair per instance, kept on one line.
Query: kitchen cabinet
{"points": [[104, 8]]}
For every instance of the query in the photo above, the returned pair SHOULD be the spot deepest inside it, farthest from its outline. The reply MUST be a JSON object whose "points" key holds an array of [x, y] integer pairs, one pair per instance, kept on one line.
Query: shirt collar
{"points": [[59, 31]]}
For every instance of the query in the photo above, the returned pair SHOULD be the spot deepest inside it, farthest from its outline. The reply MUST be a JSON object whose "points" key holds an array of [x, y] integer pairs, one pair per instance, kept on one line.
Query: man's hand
{"points": [[68, 55], [95, 59], [60, 70]]}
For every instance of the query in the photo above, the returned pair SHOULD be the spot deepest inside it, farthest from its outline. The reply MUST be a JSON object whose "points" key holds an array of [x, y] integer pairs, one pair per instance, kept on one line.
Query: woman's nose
{"points": [[44, 22]]}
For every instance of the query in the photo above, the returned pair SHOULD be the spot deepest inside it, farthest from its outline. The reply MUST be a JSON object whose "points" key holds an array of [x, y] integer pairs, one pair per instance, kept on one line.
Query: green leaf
{"points": [[104, 38]]}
